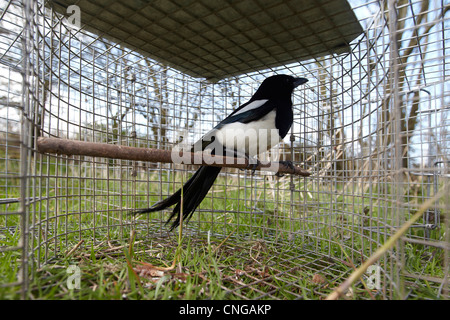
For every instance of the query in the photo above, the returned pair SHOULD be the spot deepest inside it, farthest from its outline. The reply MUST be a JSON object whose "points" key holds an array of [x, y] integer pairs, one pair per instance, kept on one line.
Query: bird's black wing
{"points": [[243, 117], [248, 116]]}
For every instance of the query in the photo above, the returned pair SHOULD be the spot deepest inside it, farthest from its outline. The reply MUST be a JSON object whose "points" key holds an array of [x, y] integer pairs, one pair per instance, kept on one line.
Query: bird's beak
{"points": [[299, 81]]}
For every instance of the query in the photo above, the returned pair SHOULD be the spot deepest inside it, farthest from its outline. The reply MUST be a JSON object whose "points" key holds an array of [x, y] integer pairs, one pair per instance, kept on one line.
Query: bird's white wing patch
{"points": [[252, 105]]}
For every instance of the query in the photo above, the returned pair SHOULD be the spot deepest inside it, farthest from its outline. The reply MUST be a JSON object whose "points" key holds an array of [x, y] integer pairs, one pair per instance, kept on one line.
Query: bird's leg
{"points": [[256, 163], [287, 163], [253, 163]]}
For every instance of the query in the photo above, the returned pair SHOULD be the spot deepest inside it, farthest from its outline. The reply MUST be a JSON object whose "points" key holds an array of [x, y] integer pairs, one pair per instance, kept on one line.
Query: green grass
{"points": [[280, 251], [206, 275]]}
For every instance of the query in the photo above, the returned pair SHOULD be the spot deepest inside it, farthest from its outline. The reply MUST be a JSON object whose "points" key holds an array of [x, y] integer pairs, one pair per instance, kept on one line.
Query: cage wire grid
{"points": [[371, 125]]}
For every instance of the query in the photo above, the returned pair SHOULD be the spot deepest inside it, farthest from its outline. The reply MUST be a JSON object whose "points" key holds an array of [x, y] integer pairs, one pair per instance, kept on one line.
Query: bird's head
{"points": [[278, 86]]}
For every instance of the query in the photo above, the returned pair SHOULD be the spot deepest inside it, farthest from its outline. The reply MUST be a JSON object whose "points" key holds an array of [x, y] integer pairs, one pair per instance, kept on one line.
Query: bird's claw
{"points": [[288, 164], [253, 166]]}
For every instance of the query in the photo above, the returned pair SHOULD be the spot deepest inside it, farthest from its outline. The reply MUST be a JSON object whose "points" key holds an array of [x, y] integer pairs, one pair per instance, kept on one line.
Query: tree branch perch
{"points": [[104, 150]]}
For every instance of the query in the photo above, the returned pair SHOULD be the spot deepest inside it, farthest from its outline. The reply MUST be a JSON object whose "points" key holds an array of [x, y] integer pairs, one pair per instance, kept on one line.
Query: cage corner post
{"points": [[398, 259], [26, 128]]}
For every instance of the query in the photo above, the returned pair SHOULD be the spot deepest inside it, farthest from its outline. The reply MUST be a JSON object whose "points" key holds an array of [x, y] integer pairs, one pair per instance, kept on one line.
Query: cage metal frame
{"points": [[65, 69]]}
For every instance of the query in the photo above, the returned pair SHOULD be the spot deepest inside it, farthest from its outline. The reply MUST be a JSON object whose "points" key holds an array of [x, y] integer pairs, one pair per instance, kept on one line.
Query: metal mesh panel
{"points": [[371, 126]]}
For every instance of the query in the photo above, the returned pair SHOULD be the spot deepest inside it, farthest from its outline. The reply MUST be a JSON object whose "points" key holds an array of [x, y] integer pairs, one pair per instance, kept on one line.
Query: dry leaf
{"points": [[148, 272], [180, 276], [239, 273], [319, 279], [264, 273]]}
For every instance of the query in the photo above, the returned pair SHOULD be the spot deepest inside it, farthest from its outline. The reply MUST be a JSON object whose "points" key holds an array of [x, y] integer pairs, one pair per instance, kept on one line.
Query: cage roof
{"points": [[218, 39]]}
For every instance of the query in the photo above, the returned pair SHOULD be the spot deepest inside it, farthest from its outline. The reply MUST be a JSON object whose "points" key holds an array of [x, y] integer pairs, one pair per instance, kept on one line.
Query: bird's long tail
{"points": [[194, 190]]}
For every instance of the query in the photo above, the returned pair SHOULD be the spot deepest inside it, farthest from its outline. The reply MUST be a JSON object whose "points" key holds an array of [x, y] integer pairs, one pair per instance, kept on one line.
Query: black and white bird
{"points": [[267, 114]]}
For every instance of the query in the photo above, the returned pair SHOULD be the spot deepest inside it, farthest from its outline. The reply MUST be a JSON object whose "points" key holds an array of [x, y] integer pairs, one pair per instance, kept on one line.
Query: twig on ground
{"points": [[217, 248], [340, 290], [74, 248]]}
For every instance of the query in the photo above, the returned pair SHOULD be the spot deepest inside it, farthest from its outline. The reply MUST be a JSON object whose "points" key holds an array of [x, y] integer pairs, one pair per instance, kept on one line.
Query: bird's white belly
{"points": [[250, 138]]}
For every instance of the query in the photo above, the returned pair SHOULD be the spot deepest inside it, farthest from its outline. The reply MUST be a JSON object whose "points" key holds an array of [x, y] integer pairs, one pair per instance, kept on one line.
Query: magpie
{"points": [[269, 110]]}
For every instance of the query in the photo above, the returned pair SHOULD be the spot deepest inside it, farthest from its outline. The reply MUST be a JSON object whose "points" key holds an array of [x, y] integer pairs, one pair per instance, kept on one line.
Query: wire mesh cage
{"points": [[371, 126]]}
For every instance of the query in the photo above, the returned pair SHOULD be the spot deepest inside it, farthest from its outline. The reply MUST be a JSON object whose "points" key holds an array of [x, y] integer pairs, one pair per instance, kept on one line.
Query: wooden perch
{"points": [[104, 150]]}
